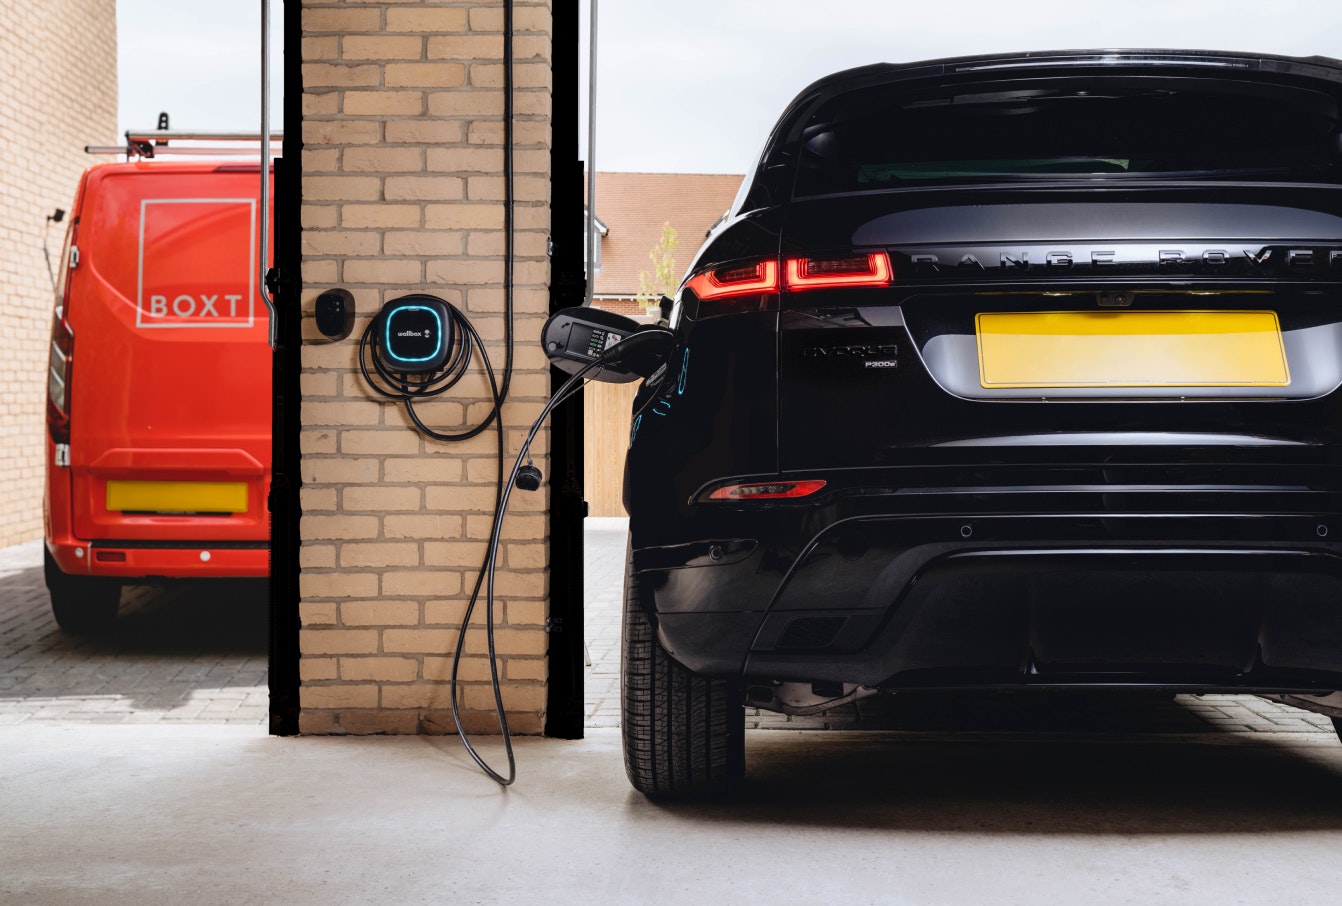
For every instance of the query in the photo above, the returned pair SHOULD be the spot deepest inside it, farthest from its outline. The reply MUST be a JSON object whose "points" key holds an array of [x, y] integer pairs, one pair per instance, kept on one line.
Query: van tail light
{"points": [[752, 286], [872, 269], [772, 490], [58, 379]]}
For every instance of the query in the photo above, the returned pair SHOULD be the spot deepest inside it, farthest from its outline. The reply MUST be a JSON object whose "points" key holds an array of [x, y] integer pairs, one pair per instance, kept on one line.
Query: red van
{"points": [[158, 396]]}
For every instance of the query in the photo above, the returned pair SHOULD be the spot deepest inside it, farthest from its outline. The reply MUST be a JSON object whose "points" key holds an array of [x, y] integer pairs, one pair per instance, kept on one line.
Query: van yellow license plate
{"points": [[1131, 349], [177, 496]]}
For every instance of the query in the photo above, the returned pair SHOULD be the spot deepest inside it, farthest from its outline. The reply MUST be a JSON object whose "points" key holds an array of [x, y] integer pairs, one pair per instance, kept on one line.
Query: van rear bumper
{"points": [[140, 560]]}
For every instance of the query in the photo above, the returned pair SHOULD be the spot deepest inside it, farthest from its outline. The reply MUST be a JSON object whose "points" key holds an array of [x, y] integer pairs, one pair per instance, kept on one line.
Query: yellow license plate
{"points": [[177, 496], [1131, 349]]}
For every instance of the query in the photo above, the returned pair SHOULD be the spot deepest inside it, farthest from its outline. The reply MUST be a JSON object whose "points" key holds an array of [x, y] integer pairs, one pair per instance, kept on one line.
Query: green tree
{"points": [[664, 278]]}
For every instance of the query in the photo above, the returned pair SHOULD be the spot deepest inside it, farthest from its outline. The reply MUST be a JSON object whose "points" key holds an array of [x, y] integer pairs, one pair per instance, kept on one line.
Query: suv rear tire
{"points": [[82, 605], [684, 734]]}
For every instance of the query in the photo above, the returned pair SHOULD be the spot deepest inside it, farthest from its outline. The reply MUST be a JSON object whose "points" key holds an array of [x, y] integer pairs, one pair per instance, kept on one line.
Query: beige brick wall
{"points": [[57, 94], [402, 192]]}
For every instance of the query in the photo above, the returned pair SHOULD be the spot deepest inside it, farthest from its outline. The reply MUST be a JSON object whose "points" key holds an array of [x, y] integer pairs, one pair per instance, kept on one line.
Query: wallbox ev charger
{"points": [[419, 346], [416, 334]]}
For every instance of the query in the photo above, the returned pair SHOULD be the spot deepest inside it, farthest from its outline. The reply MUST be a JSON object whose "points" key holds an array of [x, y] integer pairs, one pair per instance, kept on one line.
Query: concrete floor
{"points": [[958, 800], [114, 814]]}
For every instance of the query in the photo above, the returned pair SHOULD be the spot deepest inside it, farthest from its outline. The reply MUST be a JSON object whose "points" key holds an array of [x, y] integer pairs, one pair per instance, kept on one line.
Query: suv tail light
{"points": [[752, 286], [872, 269], [58, 378]]}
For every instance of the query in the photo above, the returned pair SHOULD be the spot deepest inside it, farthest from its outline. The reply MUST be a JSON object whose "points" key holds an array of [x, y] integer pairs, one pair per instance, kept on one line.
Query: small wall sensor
{"points": [[335, 313]]}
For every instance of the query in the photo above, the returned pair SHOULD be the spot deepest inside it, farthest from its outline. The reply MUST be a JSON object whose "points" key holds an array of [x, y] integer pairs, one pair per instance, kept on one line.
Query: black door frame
{"points": [[564, 710], [286, 365]]}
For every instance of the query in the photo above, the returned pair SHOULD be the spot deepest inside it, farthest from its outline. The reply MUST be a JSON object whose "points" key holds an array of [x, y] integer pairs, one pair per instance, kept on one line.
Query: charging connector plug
{"points": [[528, 478]]}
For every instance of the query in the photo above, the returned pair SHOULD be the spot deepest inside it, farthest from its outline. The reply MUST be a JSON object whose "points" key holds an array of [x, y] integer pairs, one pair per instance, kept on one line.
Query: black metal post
{"points": [[286, 288], [564, 710]]}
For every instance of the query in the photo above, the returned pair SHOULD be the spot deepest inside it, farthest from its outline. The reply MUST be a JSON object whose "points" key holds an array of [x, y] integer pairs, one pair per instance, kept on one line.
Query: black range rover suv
{"points": [[1002, 372]]}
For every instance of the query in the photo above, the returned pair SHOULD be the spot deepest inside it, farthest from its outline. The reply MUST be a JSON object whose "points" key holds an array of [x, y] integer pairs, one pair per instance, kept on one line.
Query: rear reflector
{"points": [[737, 280], [844, 271], [775, 490]]}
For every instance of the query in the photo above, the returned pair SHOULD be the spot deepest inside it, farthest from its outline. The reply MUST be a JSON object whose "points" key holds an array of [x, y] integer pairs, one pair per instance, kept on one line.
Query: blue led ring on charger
{"points": [[416, 334]]}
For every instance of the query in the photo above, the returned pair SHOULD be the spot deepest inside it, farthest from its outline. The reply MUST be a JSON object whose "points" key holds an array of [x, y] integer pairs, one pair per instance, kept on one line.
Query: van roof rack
{"points": [[149, 143]]}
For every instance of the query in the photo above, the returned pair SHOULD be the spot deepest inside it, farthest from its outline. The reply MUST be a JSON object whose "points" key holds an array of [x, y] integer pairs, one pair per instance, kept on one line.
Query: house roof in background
{"points": [[634, 206], [601, 228]]}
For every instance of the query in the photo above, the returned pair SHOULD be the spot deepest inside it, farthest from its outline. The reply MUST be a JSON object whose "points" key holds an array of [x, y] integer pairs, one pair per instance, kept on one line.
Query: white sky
{"points": [[200, 60], [695, 85]]}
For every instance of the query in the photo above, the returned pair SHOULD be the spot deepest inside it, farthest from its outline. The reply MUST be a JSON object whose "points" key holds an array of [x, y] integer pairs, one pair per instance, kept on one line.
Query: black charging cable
{"points": [[526, 476], [408, 389], [631, 352], [630, 355], [569, 388]]}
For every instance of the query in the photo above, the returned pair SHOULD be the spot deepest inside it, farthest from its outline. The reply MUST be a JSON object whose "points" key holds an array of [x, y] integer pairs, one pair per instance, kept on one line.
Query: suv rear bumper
{"points": [[1249, 602]]}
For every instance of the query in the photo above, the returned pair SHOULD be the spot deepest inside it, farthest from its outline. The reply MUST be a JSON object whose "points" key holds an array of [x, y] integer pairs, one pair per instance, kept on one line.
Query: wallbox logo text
{"points": [[197, 262]]}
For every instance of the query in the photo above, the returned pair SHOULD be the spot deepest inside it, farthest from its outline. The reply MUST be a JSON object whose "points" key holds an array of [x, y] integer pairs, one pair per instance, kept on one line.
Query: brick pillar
{"points": [[403, 192]]}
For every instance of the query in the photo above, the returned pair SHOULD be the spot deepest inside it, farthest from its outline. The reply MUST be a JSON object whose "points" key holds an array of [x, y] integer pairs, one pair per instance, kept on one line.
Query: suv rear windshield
{"points": [[1140, 127]]}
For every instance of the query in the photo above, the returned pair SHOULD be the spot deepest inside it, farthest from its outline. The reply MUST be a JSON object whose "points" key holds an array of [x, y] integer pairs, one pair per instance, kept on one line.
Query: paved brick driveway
{"points": [[193, 652], [196, 652]]}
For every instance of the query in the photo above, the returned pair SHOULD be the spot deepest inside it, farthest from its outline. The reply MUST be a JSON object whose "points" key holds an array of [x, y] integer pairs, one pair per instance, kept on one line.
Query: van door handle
{"points": [[263, 264]]}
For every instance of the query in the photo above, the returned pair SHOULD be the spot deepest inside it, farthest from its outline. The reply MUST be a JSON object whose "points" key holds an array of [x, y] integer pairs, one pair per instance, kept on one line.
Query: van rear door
{"points": [[170, 374]]}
